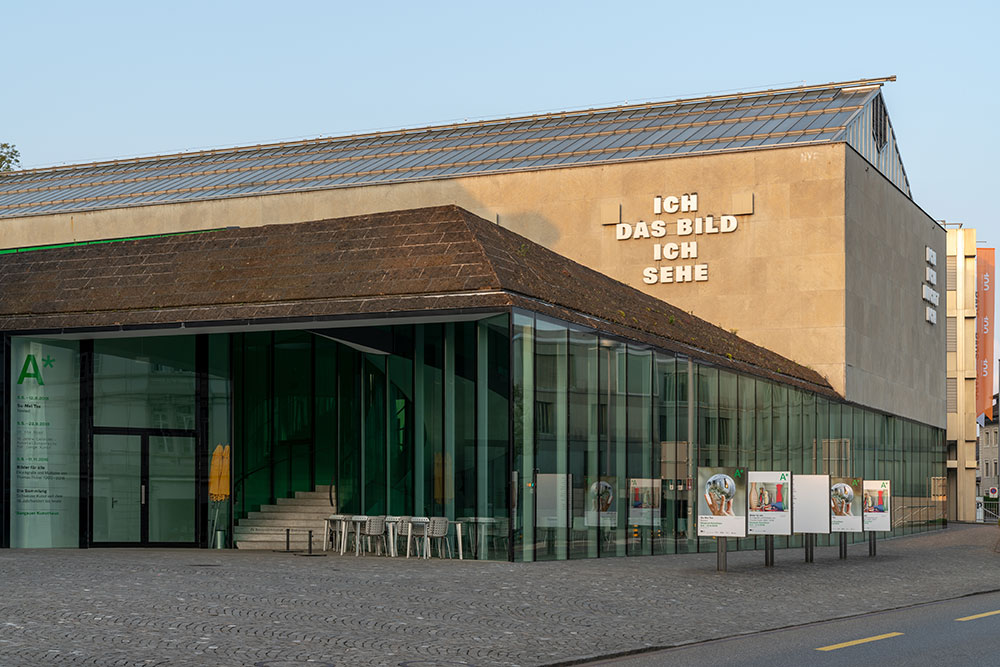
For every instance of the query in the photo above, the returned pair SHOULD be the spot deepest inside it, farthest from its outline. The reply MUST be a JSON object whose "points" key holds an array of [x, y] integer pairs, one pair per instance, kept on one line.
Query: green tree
{"points": [[10, 157]]}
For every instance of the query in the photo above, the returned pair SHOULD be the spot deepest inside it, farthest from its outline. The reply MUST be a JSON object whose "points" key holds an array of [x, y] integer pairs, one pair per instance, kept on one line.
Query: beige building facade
{"points": [[961, 385], [808, 251], [783, 216]]}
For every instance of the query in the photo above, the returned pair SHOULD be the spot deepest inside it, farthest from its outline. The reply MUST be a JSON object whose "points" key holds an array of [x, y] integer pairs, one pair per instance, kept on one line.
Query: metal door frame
{"points": [[144, 435]]}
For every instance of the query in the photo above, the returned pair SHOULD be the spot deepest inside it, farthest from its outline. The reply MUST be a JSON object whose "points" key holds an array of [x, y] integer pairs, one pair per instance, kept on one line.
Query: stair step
{"points": [[240, 529], [322, 501], [318, 510], [280, 544], [257, 534], [283, 522]]}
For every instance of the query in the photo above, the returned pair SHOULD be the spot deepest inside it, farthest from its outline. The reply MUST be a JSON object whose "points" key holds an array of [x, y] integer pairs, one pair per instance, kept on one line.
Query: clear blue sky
{"points": [[91, 80]]}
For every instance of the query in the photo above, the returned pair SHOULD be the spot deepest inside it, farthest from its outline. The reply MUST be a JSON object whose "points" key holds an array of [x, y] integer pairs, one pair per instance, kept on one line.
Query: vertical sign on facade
{"points": [[44, 444], [984, 334]]}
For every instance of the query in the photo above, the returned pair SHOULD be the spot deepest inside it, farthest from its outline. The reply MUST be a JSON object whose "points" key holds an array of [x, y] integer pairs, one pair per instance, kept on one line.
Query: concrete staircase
{"points": [[266, 529]]}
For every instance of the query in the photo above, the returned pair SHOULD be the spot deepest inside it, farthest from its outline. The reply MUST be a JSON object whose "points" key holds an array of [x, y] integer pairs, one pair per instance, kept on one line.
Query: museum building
{"points": [[506, 323]]}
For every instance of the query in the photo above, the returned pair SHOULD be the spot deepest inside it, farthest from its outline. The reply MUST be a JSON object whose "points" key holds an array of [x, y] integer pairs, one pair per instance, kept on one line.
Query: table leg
{"points": [[326, 533], [458, 531], [357, 538], [343, 537], [392, 540], [409, 538]]}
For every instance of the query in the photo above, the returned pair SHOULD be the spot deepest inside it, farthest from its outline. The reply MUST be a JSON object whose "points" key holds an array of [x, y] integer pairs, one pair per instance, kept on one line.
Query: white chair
{"points": [[437, 529], [333, 525], [375, 527], [418, 525]]}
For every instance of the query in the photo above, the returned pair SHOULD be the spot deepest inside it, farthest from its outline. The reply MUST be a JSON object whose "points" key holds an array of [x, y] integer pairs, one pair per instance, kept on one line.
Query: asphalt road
{"points": [[964, 631]]}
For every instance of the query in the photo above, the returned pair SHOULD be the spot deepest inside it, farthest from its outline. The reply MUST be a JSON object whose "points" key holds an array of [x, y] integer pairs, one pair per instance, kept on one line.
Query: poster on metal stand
{"points": [[811, 498], [845, 505], [722, 502], [770, 503], [876, 505]]}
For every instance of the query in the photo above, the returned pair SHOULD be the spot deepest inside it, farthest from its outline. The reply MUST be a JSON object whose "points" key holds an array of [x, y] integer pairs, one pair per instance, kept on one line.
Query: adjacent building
{"points": [[961, 384]]}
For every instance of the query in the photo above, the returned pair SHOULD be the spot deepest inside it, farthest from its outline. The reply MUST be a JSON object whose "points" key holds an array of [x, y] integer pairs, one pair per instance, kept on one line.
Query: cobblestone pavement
{"points": [[190, 607]]}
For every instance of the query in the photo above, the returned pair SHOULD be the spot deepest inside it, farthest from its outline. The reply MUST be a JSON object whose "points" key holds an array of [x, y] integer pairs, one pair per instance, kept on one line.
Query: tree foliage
{"points": [[10, 157]]}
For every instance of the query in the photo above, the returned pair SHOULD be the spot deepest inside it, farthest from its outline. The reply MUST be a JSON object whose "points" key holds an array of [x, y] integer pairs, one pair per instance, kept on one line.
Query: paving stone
{"points": [[190, 607]]}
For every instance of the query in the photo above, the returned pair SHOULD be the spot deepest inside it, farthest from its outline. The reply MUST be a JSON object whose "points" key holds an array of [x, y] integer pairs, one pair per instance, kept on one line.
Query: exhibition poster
{"points": [[722, 502], [551, 500], [770, 503], [875, 503], [811, 497], [845, 505], [643, 501], [45, 443], [601, 504]]}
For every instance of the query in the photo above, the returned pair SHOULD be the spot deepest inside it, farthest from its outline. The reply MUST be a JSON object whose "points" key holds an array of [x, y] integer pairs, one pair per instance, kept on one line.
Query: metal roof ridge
{"points": [[858, 83]]}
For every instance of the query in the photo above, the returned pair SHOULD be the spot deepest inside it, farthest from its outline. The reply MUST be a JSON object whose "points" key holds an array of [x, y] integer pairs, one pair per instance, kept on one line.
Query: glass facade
{"points": [[544, 439], [650, 418]]}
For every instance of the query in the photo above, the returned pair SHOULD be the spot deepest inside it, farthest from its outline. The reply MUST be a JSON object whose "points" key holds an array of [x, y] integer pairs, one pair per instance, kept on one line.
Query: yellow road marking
{"points": [[972, 618], [834, 647]]}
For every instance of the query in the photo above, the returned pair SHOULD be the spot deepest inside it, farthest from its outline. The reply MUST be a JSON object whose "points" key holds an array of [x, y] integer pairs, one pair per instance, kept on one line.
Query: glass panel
{"points": [[325, 411], [44, 443], [429, 382], [171, 489], [117, 488], [293, 413], [523, 381], [219, 435], [373, 466], [582, 437], [612, 488], [252, 409], [400, 431], [144, 382], [747, 451], [349, 362], [643, 487], [464, 447], [493, 413], [551, 467], [686, 427]]}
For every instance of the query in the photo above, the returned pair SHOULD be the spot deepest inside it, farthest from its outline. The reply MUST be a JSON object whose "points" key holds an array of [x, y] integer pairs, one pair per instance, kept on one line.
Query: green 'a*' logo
{"points": [[30, 370]]}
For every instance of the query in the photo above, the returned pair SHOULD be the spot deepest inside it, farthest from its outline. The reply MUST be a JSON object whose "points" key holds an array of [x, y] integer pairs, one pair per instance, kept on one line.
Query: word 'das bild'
{"points": [[656, 229]]}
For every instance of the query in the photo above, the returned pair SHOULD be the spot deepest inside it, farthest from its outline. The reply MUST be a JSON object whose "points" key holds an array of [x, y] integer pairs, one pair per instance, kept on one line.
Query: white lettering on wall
{"points": [[670, 251]]}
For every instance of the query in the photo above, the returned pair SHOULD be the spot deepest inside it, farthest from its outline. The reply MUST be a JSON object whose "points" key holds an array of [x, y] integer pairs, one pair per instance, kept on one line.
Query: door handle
{"points": [[142, 494]]}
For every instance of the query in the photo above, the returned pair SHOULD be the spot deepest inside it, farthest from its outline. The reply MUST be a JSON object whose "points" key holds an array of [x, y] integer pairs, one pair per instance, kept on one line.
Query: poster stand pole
{"points": [[721, 554], [871, 544], [769, 551], [809, 547], [843, 546]]}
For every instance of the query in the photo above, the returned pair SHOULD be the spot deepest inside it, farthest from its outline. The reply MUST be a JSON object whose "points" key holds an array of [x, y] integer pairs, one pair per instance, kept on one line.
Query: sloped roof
{"points": [[742, 121], [432, 259]]}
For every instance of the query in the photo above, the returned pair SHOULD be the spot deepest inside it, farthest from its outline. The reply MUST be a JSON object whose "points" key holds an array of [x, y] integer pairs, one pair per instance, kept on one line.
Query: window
{"points": [[880, 123]]}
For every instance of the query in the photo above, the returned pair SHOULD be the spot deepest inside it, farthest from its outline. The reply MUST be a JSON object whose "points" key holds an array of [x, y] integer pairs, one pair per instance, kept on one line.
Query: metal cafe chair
{"points": [[417, 524], [374, 527], [334, 526], [437, 530]]}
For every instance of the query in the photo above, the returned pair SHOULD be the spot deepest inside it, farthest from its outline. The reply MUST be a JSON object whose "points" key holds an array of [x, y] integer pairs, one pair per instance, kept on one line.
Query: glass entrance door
{"points": [[143, 488], [117, 489]]}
